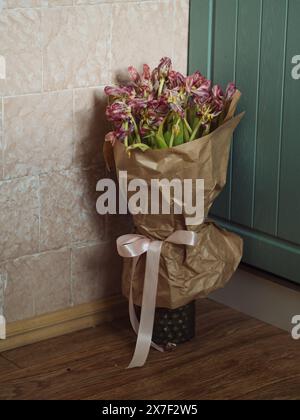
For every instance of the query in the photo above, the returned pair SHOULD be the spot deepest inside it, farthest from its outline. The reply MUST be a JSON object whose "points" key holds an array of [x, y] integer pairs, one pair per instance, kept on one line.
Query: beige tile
{"points": [[96, 272], [52, 275], [87, 224], [3, 282], [90, 126], [181, 29], [111, 1], [22, 3], [23, 74], [38, 134], [68, 208], [18, 297], [19, 217], [142, 33], [38, 284], [19, 30], [10, 4], [57, 204], [1, 165], [1, 141], [75, 46], [108, 1], [20, 44], [51, 3]]}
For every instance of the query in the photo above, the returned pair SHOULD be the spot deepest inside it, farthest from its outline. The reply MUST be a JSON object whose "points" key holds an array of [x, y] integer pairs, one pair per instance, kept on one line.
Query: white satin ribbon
{"points": [[133, 246]]}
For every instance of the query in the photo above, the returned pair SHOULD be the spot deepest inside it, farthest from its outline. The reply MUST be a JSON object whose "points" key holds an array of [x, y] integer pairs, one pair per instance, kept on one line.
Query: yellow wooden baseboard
{"points": [[29, 331]]}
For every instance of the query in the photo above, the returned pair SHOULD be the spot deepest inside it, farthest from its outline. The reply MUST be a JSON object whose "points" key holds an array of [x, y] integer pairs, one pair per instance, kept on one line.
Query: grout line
{"points": [[281, 117], [70, 246], [98, 166], [87, 4], [234, 79], [257, 114], [48, 92]]}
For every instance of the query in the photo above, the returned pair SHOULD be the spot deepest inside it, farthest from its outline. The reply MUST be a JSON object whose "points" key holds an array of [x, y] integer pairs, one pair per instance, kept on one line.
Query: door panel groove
{"points": [[211, 16], [234, 79], [257, 105], [281, 114]]}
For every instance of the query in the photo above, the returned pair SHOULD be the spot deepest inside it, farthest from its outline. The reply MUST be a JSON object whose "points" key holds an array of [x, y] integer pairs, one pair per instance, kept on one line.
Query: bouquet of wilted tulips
{"points": [[162, 108], [169, 127]]}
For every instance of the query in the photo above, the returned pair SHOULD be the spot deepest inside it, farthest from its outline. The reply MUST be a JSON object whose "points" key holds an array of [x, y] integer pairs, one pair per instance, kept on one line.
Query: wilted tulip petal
{"points": [[203, 93], [134, 74], [118, 111], [146, 72], [218, 98], [111, 137], [230, 91], [194, 81], [139, 109], [176, 80], [177, 102], [164, 67], [218, 92], [119, 92]]}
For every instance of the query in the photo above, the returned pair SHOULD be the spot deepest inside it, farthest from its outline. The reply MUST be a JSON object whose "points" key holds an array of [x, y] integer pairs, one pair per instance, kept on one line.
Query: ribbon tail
{"points": [[134, 320], [132, 314], [145, 330]]}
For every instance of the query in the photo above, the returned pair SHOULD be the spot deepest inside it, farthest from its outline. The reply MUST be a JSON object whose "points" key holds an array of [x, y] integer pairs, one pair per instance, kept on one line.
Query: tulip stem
{"points": [[136, 130], [194, 133], [126, 138], [174, 130], [187, 126]]}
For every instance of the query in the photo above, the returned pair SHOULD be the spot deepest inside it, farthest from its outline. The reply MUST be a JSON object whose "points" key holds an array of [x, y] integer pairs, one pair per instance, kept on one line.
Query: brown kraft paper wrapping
{"points": [[185, 273]]}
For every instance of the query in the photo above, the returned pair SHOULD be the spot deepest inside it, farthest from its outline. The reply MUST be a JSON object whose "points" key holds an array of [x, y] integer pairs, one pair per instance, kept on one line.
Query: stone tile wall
{"points": [[59, 54]]}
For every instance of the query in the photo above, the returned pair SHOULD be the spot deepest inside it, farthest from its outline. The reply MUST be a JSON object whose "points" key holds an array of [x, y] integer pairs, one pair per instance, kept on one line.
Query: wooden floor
{"points": [[233, 357]]}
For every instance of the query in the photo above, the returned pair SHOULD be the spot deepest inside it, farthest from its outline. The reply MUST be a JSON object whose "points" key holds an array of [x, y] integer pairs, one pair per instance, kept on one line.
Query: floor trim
{"points": [[261, 296], [250, 291], [29, 331]]}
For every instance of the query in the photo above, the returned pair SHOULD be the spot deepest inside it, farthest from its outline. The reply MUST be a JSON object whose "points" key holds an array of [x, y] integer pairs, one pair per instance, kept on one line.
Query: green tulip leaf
{"points": [[179, 139], [141, 146]]}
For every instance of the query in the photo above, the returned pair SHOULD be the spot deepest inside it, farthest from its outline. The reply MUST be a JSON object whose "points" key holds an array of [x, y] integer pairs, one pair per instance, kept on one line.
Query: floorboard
{"points": [[6, 366], [232, 357]]}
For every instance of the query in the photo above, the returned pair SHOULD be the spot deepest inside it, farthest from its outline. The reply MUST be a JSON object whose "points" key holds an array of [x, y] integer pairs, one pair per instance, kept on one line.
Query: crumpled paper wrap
{"points": [[185, 273]]}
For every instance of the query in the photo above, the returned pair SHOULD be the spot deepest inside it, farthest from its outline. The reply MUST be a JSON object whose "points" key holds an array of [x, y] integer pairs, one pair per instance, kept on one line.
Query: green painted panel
{"points": [[269, 115], [255, 41], [223, 71], [289, 204], [199, 36], [247, 71]]}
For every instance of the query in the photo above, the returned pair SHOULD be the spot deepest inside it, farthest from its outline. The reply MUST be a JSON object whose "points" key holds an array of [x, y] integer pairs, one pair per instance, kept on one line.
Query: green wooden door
{"points": [[256, 43]]}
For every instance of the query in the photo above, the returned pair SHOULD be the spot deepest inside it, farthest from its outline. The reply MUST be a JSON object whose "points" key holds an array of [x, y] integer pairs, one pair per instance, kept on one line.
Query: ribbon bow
{"points": [[133, 246]]}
